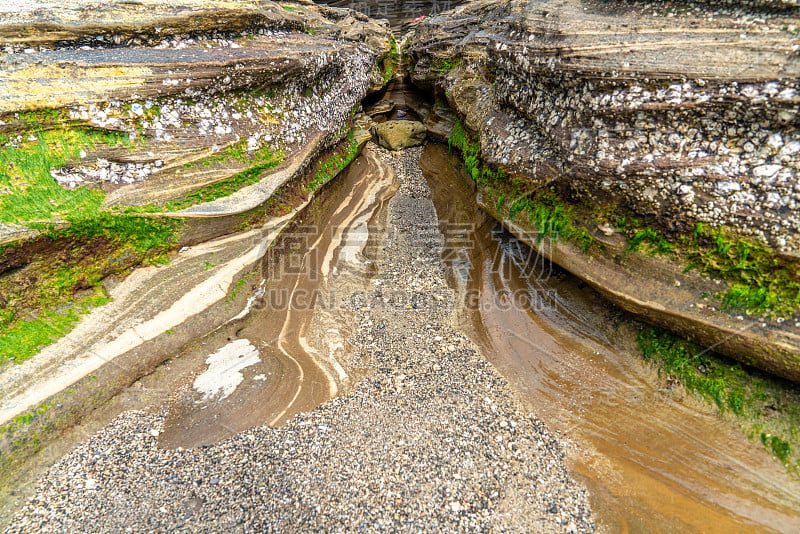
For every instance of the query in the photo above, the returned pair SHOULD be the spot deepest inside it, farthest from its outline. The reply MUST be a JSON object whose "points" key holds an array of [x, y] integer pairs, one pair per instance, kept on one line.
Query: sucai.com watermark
{"points": [[314, 252], [301, 267], [473, 300]]}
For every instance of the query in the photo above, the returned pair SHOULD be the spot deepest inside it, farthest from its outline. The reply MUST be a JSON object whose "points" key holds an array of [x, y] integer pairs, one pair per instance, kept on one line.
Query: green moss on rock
{"points": [[766, 408]]}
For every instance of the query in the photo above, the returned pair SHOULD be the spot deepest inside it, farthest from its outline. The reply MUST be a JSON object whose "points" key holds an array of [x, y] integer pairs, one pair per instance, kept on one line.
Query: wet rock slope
{"points": [[649, 148], [431, 439], [129, 132]]}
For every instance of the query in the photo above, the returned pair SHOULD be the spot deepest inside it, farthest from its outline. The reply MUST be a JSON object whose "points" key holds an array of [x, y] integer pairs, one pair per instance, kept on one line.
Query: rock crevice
{"points": [[681, 116]]}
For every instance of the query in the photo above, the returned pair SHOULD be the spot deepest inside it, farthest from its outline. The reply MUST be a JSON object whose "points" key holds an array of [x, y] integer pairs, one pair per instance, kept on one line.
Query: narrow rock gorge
{"points": [[672, 130], [422, 266]]}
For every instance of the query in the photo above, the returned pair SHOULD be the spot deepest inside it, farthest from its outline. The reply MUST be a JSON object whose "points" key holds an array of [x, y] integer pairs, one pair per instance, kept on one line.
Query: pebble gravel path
{"points": [[431, 441]]}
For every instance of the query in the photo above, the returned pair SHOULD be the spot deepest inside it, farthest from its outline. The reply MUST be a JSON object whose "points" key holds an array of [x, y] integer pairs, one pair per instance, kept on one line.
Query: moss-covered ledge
{"points": [[644, 273], [663, 294]]}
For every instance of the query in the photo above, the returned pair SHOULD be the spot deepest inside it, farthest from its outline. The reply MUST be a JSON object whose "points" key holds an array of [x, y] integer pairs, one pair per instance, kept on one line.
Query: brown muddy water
{"points": [[285, 355], [653, 461], [278, 357]]}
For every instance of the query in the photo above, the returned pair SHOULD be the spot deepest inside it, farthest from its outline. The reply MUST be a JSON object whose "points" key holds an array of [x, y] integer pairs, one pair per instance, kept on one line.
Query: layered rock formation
{"points": [[680, 116], [234, 83], [130, 130], [400, 14]]}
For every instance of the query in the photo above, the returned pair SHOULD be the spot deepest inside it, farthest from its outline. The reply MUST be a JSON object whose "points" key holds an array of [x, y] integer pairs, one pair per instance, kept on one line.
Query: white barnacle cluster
{"points": [[723, 153], [317, 97]]}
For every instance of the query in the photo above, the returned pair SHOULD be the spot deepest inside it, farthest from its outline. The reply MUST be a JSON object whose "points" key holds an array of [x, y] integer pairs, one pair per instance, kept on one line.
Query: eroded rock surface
{"points": [[185, 95], [681, 114], [399, 134], [689, 118]]}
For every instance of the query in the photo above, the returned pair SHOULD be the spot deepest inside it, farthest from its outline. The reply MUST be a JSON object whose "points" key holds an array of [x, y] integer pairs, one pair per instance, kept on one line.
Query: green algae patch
{"points": [[540, 207], [390, 61], [259, 161], [49, 282], [263, 160], [332, 164], [298, 190], [766, 408], [651, 240], [44, 281], [28, 192], [23, 339], [445, 65], [759, 280]]}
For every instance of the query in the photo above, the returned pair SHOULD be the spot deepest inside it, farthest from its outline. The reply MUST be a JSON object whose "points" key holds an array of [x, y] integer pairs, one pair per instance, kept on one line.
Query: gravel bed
{"points": [[432, 440]]}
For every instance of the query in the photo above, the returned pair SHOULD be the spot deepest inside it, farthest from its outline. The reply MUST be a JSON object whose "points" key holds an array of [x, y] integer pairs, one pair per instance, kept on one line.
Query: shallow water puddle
{"points": [[652, 462], [283, 354]]}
